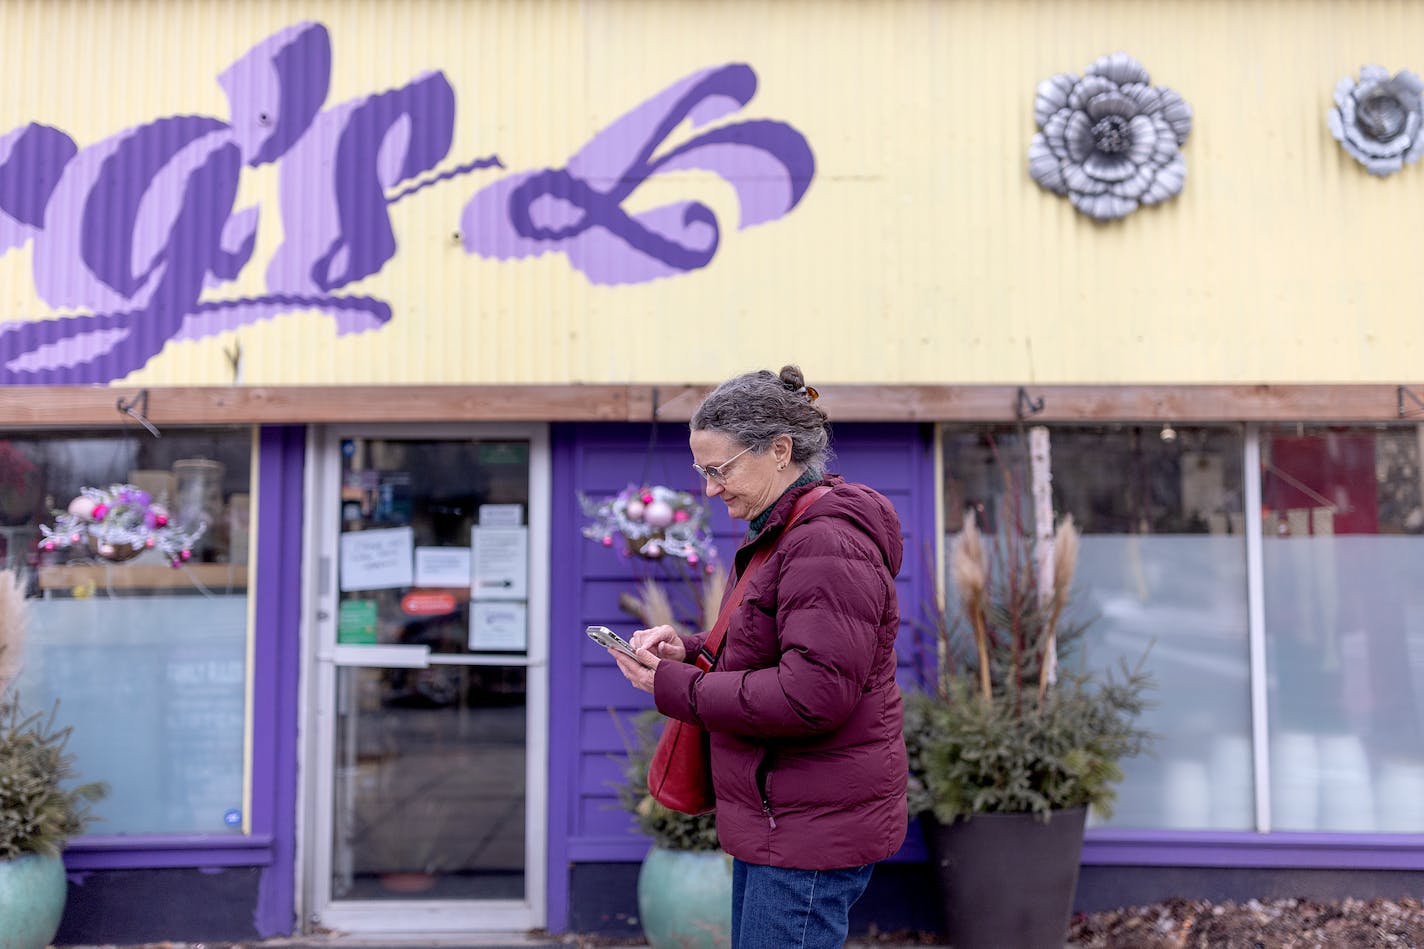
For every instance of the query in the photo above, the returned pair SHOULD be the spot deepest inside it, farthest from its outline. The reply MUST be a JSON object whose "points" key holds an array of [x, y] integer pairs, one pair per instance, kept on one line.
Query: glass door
{"points": [[427, 803]]}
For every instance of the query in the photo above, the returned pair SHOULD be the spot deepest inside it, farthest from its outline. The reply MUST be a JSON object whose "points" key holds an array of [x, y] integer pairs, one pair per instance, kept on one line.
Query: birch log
{"points": [[1041, 482]]}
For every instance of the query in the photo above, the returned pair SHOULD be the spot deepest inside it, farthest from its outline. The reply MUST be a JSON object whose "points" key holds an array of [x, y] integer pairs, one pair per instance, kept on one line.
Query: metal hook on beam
{"points": [[1400, 394], [137, 409], [1025, 407]]}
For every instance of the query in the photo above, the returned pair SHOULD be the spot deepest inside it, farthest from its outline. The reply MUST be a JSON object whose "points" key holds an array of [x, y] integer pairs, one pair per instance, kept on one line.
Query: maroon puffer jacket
{"points": [[808, 757]]}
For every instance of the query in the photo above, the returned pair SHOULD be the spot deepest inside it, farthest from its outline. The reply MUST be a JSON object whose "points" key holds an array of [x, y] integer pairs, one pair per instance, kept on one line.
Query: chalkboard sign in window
{"points": [[148, 661]]}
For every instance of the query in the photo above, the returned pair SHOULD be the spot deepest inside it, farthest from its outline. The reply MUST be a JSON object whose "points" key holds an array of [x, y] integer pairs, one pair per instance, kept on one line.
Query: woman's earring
{"points": [[781, 467]]}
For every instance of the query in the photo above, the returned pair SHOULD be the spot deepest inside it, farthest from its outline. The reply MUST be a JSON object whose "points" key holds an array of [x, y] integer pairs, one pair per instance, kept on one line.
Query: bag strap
{"points": [[712, 645]]}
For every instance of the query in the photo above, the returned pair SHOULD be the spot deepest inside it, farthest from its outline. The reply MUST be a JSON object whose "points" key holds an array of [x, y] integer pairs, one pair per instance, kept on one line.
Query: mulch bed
{"points": [[1255, 924]]}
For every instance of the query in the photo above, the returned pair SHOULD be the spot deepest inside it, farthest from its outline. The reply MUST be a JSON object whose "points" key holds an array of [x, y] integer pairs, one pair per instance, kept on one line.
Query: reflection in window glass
{"points": [[1342, 519], [1162, 563], [147, 661], [430, 802]]}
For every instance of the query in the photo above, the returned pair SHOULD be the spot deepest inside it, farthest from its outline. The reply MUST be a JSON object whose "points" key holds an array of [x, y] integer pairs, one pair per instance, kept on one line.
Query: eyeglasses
{"points": [[718, 473]]}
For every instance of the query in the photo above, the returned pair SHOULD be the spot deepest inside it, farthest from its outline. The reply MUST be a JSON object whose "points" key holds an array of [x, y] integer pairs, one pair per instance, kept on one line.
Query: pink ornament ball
{"points": [[74, 538], [82, 507], [652, 550], [160, 519], [607, 541], [186, 554], [692, 559], [658, 514], [149, 542], [647, 497], [100, 510], [49, 545], [634, 510], [679, 515]]}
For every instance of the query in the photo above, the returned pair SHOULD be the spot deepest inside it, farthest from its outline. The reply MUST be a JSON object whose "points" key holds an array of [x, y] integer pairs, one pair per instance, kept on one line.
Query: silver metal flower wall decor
{"points": [[1377, 119], [1110, 141]]}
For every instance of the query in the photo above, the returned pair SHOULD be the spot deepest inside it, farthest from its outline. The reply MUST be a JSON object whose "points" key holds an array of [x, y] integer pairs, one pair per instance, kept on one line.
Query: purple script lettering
{"points": [[338, 235], [276, 89], [31, 160], [135, 228], [578, 209], [115, 242]]}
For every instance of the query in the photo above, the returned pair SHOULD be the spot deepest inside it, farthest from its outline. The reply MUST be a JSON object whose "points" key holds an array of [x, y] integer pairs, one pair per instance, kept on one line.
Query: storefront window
{"points": [[147, 659], [1162, 564], [1343, 552]]}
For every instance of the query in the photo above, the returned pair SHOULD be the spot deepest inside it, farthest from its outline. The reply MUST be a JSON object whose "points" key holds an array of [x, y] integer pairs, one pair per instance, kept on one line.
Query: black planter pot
{"points": [[1007, 879]]}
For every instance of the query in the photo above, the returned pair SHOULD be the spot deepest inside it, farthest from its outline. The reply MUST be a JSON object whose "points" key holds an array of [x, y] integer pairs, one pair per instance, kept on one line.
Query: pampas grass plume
{"points": [[1065, 564], [14, 622], [970, 567], [1065, 559], [968, 564], [713, 588]]}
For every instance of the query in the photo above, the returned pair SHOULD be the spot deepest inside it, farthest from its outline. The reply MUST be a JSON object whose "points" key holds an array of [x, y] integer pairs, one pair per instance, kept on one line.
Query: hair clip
{"points": [[809, 392]]}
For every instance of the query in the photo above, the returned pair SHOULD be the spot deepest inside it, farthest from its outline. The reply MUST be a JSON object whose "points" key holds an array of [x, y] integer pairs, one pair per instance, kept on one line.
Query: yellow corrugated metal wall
{"points": [[922, 251]]}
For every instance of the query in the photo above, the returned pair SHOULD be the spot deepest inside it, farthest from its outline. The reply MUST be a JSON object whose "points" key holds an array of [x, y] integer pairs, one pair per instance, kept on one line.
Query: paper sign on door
{"points": [[377, 560], [501, 515], [498, 627], [501, 563], [442, 566]]}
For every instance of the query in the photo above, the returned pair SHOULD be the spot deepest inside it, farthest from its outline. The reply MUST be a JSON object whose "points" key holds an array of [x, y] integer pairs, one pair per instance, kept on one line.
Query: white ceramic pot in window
{"points": [[1399, 797], [1295, 777], [1347, 800], [1232, 783], [1186, 800]]}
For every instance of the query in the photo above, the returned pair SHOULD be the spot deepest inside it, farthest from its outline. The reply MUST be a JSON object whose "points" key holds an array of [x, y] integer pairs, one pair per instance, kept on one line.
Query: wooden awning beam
{"points": [[79, 406]]}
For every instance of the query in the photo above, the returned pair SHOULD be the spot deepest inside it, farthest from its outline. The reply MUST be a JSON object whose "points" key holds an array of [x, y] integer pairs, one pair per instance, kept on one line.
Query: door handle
{"points": [[400, 657]]}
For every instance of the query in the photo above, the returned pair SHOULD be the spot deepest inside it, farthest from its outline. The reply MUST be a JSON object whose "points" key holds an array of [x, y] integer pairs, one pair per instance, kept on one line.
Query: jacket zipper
{"points": [[766, 802]]}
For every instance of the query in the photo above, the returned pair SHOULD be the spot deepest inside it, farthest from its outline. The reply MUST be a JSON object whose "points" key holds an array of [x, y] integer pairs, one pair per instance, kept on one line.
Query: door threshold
{"points": [[514, 940]]}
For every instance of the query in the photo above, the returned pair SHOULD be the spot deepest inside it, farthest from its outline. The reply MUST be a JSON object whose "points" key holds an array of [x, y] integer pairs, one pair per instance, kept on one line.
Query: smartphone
{"points": [[609, 639]]}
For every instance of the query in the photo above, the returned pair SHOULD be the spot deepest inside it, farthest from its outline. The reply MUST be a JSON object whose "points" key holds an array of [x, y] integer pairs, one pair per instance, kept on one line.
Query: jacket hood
{"points": [[867, 509]]}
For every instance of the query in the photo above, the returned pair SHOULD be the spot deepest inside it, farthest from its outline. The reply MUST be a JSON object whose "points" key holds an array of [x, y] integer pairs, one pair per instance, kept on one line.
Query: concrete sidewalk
{"points": [[483, 942], [486, 941], [454, 942]]}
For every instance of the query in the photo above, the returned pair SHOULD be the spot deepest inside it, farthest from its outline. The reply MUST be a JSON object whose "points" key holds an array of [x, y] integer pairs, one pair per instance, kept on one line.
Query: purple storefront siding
{"points": [[277, 672], [585, 745]]}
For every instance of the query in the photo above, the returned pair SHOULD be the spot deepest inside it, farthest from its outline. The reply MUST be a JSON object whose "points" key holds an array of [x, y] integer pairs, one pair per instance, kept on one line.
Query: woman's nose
{"points": [[712, 486]]}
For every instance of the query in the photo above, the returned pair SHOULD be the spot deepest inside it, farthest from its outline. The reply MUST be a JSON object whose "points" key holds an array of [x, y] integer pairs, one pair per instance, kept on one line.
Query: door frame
{"points": [[317, 695]]}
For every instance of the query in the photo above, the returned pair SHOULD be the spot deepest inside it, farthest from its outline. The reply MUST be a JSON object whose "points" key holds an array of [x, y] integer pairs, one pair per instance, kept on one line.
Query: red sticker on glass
{"points": [[427, 603]]}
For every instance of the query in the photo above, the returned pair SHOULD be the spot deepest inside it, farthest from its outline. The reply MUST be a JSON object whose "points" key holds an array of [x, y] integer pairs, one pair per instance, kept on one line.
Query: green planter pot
{"points": [[685, 899], [32, 892]]}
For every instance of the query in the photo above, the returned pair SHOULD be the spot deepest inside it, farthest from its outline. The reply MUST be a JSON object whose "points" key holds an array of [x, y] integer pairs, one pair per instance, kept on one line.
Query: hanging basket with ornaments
{"points": [[118, 524], [653, 523]]}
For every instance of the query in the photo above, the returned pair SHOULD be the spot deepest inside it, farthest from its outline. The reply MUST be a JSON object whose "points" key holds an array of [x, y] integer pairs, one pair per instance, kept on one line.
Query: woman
{"points": [[808, 759]]}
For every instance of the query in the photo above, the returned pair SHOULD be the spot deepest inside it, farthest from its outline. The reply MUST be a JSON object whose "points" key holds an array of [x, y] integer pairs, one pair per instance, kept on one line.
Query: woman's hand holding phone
{"points": [[661, 641], [638, 658], [616, 644]]}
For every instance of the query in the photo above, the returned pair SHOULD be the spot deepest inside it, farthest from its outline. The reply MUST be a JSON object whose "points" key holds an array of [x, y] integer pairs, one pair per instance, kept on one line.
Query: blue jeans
{"points": [[776, 908]]}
